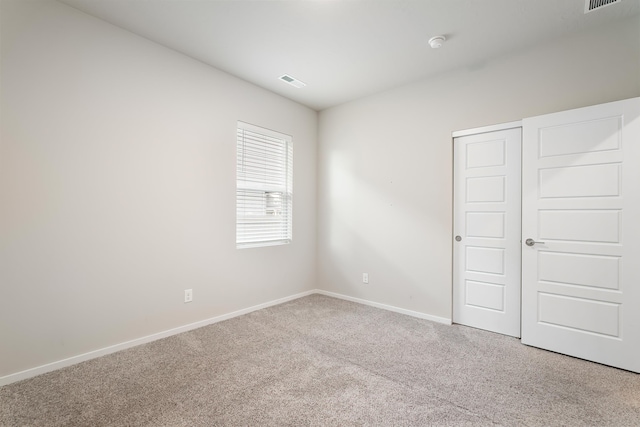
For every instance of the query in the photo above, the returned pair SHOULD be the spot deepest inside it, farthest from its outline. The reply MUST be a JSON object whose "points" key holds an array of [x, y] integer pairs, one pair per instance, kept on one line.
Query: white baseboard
{"points": [[411, 313], [38, 370]]}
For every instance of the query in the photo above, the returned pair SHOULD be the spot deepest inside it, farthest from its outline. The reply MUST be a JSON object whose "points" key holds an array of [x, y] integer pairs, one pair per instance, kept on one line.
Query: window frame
{"points": [[255, 228]]}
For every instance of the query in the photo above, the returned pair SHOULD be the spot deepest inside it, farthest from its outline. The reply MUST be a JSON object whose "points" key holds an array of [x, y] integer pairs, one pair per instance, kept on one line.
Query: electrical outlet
{"points": [[188, 295], [365, 277]]}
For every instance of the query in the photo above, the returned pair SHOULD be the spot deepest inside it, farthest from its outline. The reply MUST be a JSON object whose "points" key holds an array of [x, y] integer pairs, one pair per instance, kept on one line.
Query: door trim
{"points": [[485, 129]]}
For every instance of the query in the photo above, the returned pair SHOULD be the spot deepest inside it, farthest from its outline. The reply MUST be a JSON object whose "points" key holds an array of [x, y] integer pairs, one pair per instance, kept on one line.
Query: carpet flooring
{"points": [[321, 361]]}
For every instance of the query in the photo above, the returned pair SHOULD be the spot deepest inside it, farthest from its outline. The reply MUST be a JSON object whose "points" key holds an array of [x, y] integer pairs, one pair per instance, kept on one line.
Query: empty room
{"points": [[319, 212]]}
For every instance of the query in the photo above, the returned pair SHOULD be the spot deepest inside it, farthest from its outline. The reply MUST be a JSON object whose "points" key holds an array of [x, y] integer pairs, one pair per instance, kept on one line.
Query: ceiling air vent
{"points": [[591, 5], [292, 81]]}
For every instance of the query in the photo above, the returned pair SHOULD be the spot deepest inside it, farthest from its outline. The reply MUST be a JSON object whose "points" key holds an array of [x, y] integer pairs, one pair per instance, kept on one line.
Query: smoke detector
{"points": [[436, 42]]}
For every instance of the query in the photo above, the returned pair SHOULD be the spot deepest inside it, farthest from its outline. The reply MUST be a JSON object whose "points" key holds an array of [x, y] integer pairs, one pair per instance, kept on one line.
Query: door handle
{"points": [[531, 242]]}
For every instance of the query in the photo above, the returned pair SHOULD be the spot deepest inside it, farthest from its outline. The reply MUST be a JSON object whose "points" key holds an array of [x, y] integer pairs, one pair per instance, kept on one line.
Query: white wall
{"points": [[117, 188], [385, 162]]}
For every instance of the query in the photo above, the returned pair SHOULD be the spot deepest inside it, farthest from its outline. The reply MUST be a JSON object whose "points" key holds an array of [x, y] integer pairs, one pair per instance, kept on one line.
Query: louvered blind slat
{"points": [[264, 187]]}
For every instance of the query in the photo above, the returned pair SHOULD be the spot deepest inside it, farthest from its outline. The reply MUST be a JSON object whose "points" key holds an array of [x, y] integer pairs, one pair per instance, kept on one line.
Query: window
{"points": [[264, 187]]}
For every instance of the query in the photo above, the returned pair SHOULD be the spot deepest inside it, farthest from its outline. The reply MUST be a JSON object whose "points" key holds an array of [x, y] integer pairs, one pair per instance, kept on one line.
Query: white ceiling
{"points": [[346, 49]]}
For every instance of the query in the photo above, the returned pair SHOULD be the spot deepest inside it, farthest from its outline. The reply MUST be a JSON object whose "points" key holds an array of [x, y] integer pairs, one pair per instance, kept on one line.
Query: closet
{"points": [[547, 231]]}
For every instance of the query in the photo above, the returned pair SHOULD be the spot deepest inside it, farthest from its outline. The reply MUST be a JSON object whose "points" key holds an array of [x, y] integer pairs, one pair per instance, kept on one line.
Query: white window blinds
{"points": [[264, 187]]}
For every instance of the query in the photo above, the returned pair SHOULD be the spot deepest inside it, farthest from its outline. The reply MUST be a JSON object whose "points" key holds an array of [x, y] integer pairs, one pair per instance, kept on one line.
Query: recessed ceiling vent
{"points": [[591, 5], [292, 81]]}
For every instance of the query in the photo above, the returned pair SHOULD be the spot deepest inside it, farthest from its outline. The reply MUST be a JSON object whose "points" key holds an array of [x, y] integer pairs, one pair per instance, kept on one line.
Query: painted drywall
{"points": [[117, 188], [385, 161]]}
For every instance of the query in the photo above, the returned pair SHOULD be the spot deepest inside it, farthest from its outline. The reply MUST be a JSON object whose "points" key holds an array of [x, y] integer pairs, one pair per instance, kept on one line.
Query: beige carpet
{"points": [[319, 361]]}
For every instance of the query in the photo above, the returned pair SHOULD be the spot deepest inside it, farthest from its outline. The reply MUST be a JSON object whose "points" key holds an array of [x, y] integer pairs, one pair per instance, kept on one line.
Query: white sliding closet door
{"points": [[486, 258], [581, 210]]}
